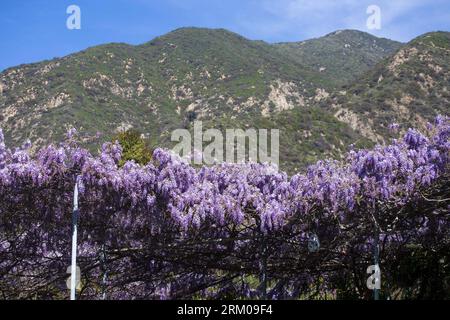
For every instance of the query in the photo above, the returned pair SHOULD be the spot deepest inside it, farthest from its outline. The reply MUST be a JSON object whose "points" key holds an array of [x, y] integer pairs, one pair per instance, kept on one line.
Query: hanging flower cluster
{"points": [[169, 230]]}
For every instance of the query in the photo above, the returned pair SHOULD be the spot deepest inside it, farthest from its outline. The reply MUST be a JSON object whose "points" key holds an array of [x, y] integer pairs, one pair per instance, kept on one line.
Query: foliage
{"points": [[410, 87], [134, 147], [151, 85], [344, 55], [167, 230]]}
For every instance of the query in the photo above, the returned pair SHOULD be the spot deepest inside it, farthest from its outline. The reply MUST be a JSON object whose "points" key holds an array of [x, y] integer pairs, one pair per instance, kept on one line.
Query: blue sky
{"points": [[34, 30]]}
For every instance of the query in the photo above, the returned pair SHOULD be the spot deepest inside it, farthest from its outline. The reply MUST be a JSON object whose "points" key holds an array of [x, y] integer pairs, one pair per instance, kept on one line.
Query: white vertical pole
{"points": [[376, 291], [73, 271]]}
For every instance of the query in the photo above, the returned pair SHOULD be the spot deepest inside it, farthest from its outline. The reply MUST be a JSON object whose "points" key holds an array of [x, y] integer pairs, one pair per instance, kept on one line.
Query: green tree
{"points": [[134, 147]]}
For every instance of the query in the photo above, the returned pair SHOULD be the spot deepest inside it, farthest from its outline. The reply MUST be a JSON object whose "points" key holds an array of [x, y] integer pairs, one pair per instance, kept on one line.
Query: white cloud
{"points": [[302, 19]]}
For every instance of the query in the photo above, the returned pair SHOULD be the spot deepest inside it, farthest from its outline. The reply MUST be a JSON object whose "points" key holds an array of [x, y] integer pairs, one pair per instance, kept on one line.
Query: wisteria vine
{"points": [[167, 230]]}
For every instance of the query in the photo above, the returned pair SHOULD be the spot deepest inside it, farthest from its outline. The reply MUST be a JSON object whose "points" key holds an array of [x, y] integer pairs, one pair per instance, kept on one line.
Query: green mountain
{"points": [[340, 56], [212, 75], [410, 87]]}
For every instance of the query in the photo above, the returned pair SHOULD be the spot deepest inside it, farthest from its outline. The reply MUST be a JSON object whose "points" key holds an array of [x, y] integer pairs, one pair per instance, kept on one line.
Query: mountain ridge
{"points": [[411, 88], [190, 74]]}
